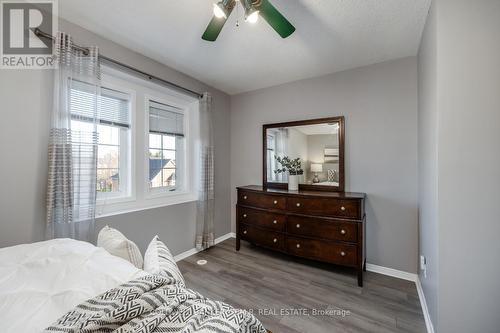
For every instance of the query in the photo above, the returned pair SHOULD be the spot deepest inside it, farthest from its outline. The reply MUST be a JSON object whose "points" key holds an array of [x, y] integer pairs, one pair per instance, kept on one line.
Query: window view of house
{"points": [[162, 160], [166, 146]]}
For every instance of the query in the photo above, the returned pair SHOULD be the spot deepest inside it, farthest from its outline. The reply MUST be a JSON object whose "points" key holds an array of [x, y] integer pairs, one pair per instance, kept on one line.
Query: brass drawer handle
{"points": [[245, 197], [275, 240], [275, 202], [298, 246], [244, 216], [298, 225], [342, 254], [275, 222], [342, 208], [298, 204], [245, 232], [342, 232]]}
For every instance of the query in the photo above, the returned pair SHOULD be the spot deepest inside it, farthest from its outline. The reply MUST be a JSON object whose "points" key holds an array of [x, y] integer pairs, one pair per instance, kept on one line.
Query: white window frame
{"points": [[151, 193], [141, 198], [271, 164]]}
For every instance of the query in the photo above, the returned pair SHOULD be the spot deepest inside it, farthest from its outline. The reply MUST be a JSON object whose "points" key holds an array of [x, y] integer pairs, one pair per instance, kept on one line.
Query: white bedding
{"points": [[40, 282]]}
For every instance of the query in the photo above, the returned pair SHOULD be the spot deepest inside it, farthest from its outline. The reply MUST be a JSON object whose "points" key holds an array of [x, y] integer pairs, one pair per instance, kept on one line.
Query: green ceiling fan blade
{"points": [[277, 21], [213, 29], [216, 23]]}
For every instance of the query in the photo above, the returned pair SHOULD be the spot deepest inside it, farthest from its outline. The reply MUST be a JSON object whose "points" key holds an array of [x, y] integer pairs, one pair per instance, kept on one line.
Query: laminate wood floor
{"points": [[283, 292]]}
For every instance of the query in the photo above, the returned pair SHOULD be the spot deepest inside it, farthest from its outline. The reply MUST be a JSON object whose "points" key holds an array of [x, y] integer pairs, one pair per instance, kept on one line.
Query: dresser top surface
{"points": [[345, 195]]}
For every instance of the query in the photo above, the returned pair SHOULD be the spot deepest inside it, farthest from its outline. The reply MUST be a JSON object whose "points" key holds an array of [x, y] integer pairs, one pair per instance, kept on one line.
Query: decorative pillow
{"points": [[118, 245], [331, 175], [159, 260]]}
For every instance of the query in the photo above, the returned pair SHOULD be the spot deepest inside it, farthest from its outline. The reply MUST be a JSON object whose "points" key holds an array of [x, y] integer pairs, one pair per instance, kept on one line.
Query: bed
{"points": [[326, 183], [41, 283]]}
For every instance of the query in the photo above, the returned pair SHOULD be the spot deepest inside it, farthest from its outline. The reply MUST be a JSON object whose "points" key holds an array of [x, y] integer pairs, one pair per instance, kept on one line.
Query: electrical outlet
{"points": [[423, 265], [422, 262]]}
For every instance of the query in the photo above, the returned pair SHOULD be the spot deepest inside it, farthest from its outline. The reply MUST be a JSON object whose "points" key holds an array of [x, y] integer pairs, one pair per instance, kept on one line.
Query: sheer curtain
{"points": [[205, 204], [71, 190], [282, 150]]}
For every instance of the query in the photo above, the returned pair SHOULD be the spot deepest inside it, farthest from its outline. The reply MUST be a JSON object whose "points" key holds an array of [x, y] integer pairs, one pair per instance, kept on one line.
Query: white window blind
{"points": [[165, 119], [113, 106]]}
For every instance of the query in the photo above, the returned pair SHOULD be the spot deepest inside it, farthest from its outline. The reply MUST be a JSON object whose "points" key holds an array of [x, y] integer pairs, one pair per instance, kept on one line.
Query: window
{"points": [[276, 146], [146, 145], [271, 162], [166, 164], [112, 123]]}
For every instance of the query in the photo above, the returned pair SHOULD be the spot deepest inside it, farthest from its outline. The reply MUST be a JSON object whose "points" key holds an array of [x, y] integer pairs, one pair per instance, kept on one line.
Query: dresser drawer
{"points": [[322, 228], [336, 253], [267, 238], [261, 218], [325, 207], [260, 200]]}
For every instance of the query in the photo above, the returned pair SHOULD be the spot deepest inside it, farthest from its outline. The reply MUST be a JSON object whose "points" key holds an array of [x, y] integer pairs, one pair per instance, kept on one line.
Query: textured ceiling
{"points": [[331, 36]]}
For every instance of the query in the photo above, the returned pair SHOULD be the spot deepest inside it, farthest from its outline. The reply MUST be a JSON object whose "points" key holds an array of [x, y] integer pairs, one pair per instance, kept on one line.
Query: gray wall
{"points": [[297, 144], [380, 106], [26, 98], [427, 160], [459, 158], [468, 165]]}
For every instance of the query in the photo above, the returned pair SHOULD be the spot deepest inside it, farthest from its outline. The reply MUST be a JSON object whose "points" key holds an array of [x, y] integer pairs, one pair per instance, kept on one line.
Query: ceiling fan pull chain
{"points": [[237, 13]]}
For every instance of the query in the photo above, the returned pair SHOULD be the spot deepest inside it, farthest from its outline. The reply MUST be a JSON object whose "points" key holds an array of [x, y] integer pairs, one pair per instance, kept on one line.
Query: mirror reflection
{"points": [[314, 148]]}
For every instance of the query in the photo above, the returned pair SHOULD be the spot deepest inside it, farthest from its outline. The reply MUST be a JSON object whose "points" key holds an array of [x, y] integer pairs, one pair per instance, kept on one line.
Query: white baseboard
{"points": [[193, 251], [410, 277], [425, 309], [185, 254], [392, 272], [369, 267], [224, 237]]}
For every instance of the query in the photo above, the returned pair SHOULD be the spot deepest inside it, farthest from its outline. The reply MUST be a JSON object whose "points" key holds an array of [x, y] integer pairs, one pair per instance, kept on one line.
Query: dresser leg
{"points": [[360, 277], [364, 266], [237, 243]]}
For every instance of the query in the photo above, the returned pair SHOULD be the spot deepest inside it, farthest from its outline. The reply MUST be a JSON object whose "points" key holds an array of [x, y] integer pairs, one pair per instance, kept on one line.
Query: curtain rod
{"points": [[151, 77]]}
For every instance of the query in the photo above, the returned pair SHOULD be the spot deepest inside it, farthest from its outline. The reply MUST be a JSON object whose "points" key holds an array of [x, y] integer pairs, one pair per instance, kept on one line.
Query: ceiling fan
{"points": [[253, 9]]}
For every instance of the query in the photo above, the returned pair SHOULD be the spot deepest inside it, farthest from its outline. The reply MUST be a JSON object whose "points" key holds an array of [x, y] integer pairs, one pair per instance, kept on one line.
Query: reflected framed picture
{"points": [[313, 142], [331, 155]]}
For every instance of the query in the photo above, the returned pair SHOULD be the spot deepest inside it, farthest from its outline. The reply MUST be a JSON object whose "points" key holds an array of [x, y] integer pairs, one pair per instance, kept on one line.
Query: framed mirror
{"points": [[307, 153]]}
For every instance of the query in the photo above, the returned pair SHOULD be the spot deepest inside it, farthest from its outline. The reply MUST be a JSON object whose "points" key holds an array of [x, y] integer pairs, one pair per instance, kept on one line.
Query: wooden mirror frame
{"points": [[307, 187]]}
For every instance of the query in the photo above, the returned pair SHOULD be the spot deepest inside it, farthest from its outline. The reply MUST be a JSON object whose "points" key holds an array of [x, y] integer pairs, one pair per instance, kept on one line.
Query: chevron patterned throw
{"points": [[154, 304]]}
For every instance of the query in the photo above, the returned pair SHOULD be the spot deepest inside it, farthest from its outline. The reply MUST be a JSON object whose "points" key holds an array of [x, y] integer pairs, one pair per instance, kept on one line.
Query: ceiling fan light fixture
{"points": [[251, 13], [252, 10], [220, 10], [253, 17]]}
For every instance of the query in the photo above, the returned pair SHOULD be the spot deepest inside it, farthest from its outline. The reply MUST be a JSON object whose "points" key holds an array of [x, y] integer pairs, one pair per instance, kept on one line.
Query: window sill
{"points": [[113, 200], [162, 193], [119, 208]]}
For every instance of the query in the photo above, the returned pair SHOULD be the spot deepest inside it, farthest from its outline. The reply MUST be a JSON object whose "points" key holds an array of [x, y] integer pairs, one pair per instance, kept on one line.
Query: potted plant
{"points": [[294, 169]]}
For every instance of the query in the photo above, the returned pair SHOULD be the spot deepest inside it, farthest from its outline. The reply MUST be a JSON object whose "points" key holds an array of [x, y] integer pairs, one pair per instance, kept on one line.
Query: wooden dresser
{"points": [[323, 226]]}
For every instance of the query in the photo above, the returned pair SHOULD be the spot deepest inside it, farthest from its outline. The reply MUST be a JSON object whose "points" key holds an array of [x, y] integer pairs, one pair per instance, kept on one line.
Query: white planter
{"points": [[293, 182]]}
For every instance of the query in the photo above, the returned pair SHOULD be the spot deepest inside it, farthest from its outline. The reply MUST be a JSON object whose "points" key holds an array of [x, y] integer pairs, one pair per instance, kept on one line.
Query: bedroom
{"points": [[406, 90]]}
